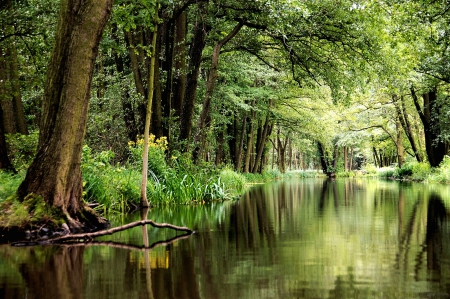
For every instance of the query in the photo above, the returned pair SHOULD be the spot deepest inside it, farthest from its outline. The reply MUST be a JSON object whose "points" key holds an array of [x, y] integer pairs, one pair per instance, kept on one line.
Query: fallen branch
{"points": [[129, 246], [87, 237]]}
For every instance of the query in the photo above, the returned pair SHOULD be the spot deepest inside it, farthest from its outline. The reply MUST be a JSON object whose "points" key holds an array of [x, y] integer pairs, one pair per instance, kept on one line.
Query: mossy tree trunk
{"points": [[55, 173]]}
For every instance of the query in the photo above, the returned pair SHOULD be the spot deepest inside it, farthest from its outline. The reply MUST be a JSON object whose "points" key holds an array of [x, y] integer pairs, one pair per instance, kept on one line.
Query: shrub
{"points": [[22, 149], [114, 188], [421, 171], [403, 172], [9, 184], [442, 173], [386, 172]]}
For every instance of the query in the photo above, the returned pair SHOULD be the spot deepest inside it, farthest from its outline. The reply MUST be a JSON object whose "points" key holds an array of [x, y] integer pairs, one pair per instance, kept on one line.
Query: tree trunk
{"points": [[399, 144], [210, 86], [240, 149], [55, 172], [404, 121], [179, 56], [250, 137], [151, 80], [261, 142], [428, 114], [5, 163], [195, 59], [10, 93], [127, 107]]}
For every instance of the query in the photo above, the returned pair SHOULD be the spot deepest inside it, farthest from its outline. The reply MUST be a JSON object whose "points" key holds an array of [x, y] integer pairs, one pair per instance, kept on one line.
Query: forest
{"points": [[200, 97]]}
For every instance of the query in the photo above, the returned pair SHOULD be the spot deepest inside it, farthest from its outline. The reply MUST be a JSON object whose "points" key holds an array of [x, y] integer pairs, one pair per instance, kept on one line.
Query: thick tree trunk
{"points": [[434, 145], [55, 172], [195, 59]]}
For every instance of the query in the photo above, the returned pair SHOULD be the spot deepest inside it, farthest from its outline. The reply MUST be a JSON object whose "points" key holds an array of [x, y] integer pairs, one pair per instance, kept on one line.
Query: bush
{"points": [[386, 172], [403, 172], [9, 184], [421, 171], [114, 188], [22, 149], [442, 173]]}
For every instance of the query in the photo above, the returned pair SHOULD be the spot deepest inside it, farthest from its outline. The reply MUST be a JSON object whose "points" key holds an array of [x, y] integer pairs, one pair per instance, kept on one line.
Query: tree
{"points": [[55, 173]]}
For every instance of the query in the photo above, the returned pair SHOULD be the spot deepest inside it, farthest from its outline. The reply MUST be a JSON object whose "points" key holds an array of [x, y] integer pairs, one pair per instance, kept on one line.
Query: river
{"points": [[309, 238]]}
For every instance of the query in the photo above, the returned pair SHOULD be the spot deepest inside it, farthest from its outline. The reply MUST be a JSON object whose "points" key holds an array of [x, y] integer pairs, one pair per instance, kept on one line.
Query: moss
{"points": [[33, 211]]}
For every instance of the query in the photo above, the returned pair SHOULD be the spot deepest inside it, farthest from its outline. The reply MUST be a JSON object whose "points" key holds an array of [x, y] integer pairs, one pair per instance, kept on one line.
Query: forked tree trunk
{"points": [[55, 172]]}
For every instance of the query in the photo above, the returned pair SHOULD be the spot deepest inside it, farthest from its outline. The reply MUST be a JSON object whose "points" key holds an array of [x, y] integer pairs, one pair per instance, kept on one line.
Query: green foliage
{"points": [[421, 171], [404, 172], [115, 188], [442, 173], [369, 168], [156, 154], [386, 172], [235, 182], [9, 184], [22, 149]]}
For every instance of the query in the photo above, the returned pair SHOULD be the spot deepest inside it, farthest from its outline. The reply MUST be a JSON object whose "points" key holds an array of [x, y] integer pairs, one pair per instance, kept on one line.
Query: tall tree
{"points": [[55, 172]]}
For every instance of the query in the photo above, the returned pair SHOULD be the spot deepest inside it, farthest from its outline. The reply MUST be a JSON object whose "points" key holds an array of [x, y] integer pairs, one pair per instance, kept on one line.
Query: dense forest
{"points": [[198, 86]]}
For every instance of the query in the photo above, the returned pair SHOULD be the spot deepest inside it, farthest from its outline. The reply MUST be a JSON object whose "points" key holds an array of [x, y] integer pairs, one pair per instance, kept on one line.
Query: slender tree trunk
{"points": [[10, 93], [151, 80], [195, 58], [261, 144], [219, 152], [404, 121], [127, 108], [399, 144], [55, 172], [250, 137], [345, 158], [210, 86], [179, 56], [238, 163], [5, 163]]}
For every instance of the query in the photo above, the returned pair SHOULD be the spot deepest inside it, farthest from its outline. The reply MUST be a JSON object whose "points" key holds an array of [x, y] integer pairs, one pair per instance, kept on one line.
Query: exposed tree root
{"points": [[88, 237]]}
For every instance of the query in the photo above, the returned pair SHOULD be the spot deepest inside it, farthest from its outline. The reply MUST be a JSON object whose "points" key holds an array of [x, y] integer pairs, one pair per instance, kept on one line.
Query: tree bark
{"points": [[404, 121], [151, 80], [428, 114], [10, 93], [210, 86], [179, 56], [262, 141], [195, 58], [55, 172], [240, 149], [5, 163]]}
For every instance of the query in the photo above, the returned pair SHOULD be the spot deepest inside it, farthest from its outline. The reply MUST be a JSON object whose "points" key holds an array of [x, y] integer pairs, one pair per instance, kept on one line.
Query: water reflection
{"points": [[298, 239]]}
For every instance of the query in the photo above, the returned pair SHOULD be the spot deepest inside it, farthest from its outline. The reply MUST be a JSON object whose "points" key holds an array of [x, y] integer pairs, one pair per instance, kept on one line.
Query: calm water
{"points": [[296, 239]]}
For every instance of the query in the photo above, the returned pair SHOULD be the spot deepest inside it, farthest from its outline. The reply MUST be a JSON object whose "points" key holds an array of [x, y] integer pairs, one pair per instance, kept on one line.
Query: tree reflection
{"points": [[60, 275]]}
